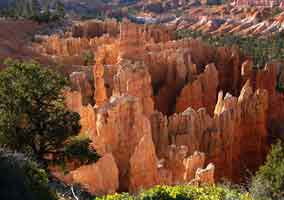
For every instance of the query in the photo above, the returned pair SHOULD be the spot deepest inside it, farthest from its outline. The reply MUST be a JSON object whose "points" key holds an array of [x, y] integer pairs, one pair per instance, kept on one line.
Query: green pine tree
{"points": [[46, 6], [26, 12], [18, 8], [35, 8], [60, 9]]}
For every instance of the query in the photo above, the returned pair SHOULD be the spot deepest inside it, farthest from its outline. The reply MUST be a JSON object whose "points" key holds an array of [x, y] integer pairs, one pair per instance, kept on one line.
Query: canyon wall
{"points": [[271, 79], [157, 105]]}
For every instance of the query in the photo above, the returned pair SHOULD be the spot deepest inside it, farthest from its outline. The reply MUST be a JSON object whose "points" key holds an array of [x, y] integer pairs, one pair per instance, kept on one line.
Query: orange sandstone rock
{"points": [[133, 79], [205, 176], [100, 178], [120, 126], [143, 165], [73, 100], [88, 120], [80, 82], [231, 127], [192, 164], [100, 92], [201, 92]]}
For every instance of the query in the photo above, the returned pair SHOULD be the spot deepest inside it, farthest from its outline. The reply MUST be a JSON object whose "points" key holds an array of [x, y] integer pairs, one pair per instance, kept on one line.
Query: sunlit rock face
{"points": [[134, 79], [157, 105], [121, 125], [99, 178], [201, 92], [143, 165]]}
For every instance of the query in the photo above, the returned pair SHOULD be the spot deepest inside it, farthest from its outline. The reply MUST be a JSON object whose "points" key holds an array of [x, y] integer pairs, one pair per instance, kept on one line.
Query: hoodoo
{"points": [[156, 99]]}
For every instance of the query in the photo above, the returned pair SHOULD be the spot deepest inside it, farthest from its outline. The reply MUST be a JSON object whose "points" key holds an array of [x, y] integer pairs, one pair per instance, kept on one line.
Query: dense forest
{"points": [[41, 11]]}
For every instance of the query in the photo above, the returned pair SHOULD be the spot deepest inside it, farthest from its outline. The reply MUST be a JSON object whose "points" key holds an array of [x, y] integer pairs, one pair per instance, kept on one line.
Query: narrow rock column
{"points": [[100, 92]]}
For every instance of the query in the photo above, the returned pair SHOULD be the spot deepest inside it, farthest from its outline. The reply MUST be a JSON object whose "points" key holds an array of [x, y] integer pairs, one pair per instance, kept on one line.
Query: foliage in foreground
{"points": [[182, 193], [21, 178], [33, 116], [34, 120], [268, 184]]}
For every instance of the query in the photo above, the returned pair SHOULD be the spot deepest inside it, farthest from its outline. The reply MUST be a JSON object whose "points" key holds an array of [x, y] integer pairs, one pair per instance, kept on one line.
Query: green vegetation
{"points": [[268, 184], [35, 121], [280, 86], [59, 10], [275, 11], [88, 57], [93, 15], [132, 11], [101, 15], [79, 148], [214, 2], [261, 50], [33, 116], [182, 193], [31, 9], [22, 178], [76, 148]]}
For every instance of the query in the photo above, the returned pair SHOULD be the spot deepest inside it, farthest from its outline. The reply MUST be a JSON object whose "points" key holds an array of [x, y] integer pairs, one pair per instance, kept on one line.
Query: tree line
{"points": [[261, 50], [40, 11]]}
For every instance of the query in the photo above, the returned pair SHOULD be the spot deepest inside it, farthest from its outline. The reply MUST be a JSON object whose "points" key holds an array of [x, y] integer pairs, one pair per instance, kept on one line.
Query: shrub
{"points": [[88, 57], [268, 184], [280, 86], [79, 148], [123, 196], [182, 193], [76, 149], [21, 178]]}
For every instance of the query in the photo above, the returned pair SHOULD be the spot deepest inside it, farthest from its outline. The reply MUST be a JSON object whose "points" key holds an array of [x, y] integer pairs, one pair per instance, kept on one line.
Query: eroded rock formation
{"points": [[120, 127], [95, 28], [134, 79], [143, 165], [82, 83], [100, 178], [269, 78], [201, 92], [100, 96], [158, 105]]}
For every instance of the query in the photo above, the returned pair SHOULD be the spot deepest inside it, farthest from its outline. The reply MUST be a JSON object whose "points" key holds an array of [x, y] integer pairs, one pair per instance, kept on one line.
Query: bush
{"points": [[88, 57], [21, 178], [79, 148], [182, 193], [76, 149], [268, 184], [280, 87]]}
